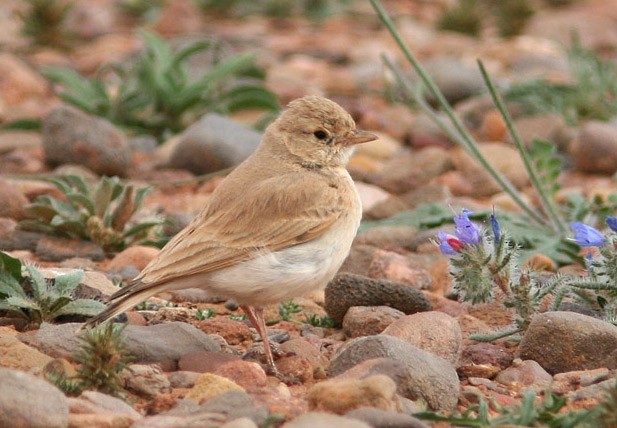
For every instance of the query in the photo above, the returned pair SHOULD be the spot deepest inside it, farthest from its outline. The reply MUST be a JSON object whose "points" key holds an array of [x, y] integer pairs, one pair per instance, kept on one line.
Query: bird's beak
{"points": [[357, 136]]}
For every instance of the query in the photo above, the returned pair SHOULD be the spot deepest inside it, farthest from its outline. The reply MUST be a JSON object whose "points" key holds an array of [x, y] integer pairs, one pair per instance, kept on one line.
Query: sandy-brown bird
{"points": [[279, 226]]}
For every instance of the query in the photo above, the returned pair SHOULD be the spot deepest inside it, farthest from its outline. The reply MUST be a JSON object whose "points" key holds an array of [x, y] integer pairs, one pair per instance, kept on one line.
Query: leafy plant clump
{"points": [[102, 213], [464, 17], [38, 300], [102, 355], [44, 20], [590, 94], [156, 95]]}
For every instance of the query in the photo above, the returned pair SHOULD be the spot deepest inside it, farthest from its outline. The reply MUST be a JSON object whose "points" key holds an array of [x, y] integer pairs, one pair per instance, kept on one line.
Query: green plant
{"points": [[317, 321], [312, 9], [512, 16], [102, 355], [591, 93], [286, 309], [44, 21], [143, 9], [239, 317], [156, 95], [464, 17], [531, 412], [66, 384], [38, 300], [204, 314], [101, 213]]}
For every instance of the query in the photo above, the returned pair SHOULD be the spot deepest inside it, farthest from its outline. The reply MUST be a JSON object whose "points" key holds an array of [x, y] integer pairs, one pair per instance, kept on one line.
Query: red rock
{"points": [[296, 367], [138, 256], [247, 374], [234, 332], [206, 361], [395, 267]]}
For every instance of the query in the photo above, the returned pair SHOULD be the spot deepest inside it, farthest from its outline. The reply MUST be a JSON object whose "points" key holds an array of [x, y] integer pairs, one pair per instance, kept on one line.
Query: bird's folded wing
{"points": [[236, 228]]}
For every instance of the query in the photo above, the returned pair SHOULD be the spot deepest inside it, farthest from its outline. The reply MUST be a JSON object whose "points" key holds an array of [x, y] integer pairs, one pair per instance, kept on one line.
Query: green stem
{"points": [[489, 337], [547, 202], [469, 144], [592, 285]]}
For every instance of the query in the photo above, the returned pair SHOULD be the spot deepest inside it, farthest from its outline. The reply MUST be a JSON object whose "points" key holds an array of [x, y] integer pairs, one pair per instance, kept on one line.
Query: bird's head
{"points": [[318, 132]]}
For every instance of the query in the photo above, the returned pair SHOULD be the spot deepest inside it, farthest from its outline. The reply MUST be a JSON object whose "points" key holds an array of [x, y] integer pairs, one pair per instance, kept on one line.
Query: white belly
{"points": [[279, 276]]}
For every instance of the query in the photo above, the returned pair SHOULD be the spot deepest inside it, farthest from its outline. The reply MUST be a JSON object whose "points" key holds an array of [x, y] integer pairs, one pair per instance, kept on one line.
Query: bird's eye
{"points": [[320, 135]]}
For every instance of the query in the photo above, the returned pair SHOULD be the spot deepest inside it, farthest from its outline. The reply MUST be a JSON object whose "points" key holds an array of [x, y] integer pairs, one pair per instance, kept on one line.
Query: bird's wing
{"points": [[237, 227]]}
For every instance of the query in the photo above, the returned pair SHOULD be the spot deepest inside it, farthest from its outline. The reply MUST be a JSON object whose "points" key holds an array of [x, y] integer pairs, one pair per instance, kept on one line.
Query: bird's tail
{"points": [[124, 300]]}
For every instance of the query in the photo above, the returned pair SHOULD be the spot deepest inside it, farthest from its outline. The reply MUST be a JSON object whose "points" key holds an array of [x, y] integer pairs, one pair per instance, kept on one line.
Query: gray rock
{"points": [[456, 80], [527, 373], [145, 380], [71, 136], [215, 142], [319, 419], [27, 401], [432, 331], [12, 201], [199, 420], [347, 290], [240, 423], [183, 379], [566, 341], [159, 343], [95, 285], [595, 148], [97, 402], [431, 378], [378, 418], [20, 240], [369, 320], [56, 249], [235, 404], [166, 343]]}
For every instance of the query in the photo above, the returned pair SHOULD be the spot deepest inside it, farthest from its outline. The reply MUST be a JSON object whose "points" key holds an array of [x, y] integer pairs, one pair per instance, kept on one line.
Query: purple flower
{"points": [[449, 244], [587, 236], [496, 227], [612, 222], [466, 230]]}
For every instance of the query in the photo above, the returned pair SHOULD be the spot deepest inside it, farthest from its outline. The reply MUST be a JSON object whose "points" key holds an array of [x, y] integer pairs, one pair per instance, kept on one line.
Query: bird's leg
{"points": [[256, 316]]}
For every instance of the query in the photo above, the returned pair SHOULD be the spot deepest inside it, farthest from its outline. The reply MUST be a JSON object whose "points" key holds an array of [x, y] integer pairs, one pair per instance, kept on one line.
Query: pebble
{"points": [[160, 343], [204, 361], [432, 331], [455, 79], [183, 378], [27, 401], [595, 149], [240, 423], [198, 420], [213, 143], [72, 136], [234, 332], [564, 383], [525, 375], [391, 236], [504, 159], [210, 385], [137, 256], [431, 378], [340, 396], [12, 201], [94, 285], [145, 380], [369, 320], [348, 290], [398, 268], [56, 249], [566, 341], [411, 170], [322, 419], [235, 405], [370, 195], [16, 355], [247, 374], [99, 403], [378, 418]]}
